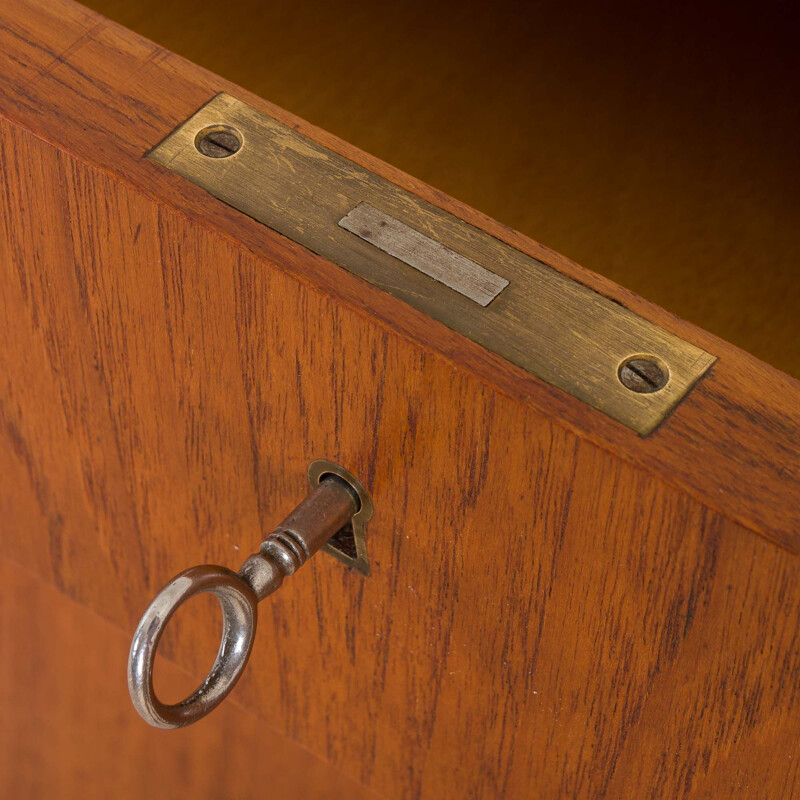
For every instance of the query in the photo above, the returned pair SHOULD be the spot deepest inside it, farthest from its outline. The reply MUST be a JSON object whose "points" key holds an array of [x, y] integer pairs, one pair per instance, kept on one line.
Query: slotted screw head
{"points": [[218, 141], [643, 375]]}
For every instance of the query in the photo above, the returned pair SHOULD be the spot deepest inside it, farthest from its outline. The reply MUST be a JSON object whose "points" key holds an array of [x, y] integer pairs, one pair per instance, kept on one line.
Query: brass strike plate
{"points": [[529, 313]]}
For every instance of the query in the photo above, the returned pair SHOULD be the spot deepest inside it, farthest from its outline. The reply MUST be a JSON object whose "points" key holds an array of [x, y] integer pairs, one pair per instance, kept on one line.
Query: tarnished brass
{"points": [[348, 544], [557, 329]]}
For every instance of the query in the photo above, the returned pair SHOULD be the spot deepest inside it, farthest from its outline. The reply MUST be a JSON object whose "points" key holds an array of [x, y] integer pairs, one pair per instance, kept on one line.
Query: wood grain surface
{"points": [[67, 730], [557, 607], [106, 96]]}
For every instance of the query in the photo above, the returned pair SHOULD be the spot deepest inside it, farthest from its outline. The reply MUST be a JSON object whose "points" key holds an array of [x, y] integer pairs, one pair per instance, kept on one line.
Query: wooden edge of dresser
{"points": [[105, 96]]}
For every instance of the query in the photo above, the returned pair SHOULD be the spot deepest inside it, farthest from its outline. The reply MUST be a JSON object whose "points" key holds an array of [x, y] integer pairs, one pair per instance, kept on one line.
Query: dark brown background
{"points": [[656, 144]]}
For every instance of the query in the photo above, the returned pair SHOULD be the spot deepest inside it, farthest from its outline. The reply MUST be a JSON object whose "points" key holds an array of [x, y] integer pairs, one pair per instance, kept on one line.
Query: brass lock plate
{"points": [[525, 311]]}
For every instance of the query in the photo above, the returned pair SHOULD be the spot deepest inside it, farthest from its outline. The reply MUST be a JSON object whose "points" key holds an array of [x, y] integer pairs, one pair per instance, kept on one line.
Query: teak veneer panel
{"points": [[557, 607], [67, 731]]}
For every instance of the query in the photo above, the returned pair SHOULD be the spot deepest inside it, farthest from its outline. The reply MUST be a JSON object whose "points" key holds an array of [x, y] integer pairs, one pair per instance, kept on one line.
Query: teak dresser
{"points": [[582, 575]]}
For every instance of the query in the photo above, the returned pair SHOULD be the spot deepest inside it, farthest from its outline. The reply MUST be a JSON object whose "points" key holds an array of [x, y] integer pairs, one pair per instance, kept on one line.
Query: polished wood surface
{"points": [[557, 607], [67, 730], [104, 96], [655, 144]]}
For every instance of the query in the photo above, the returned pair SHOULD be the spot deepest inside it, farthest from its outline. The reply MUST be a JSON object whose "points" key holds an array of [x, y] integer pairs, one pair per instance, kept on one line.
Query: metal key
{"points": [[336, 501]]}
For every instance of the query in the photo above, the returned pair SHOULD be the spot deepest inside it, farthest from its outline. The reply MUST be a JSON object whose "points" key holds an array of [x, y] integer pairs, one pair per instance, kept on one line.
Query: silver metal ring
{"points": [[239, 615]]}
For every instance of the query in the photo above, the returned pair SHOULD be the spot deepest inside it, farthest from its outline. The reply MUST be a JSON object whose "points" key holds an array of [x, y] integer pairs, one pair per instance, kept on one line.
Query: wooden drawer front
{"points": [[532, 600], [556, 608]]}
